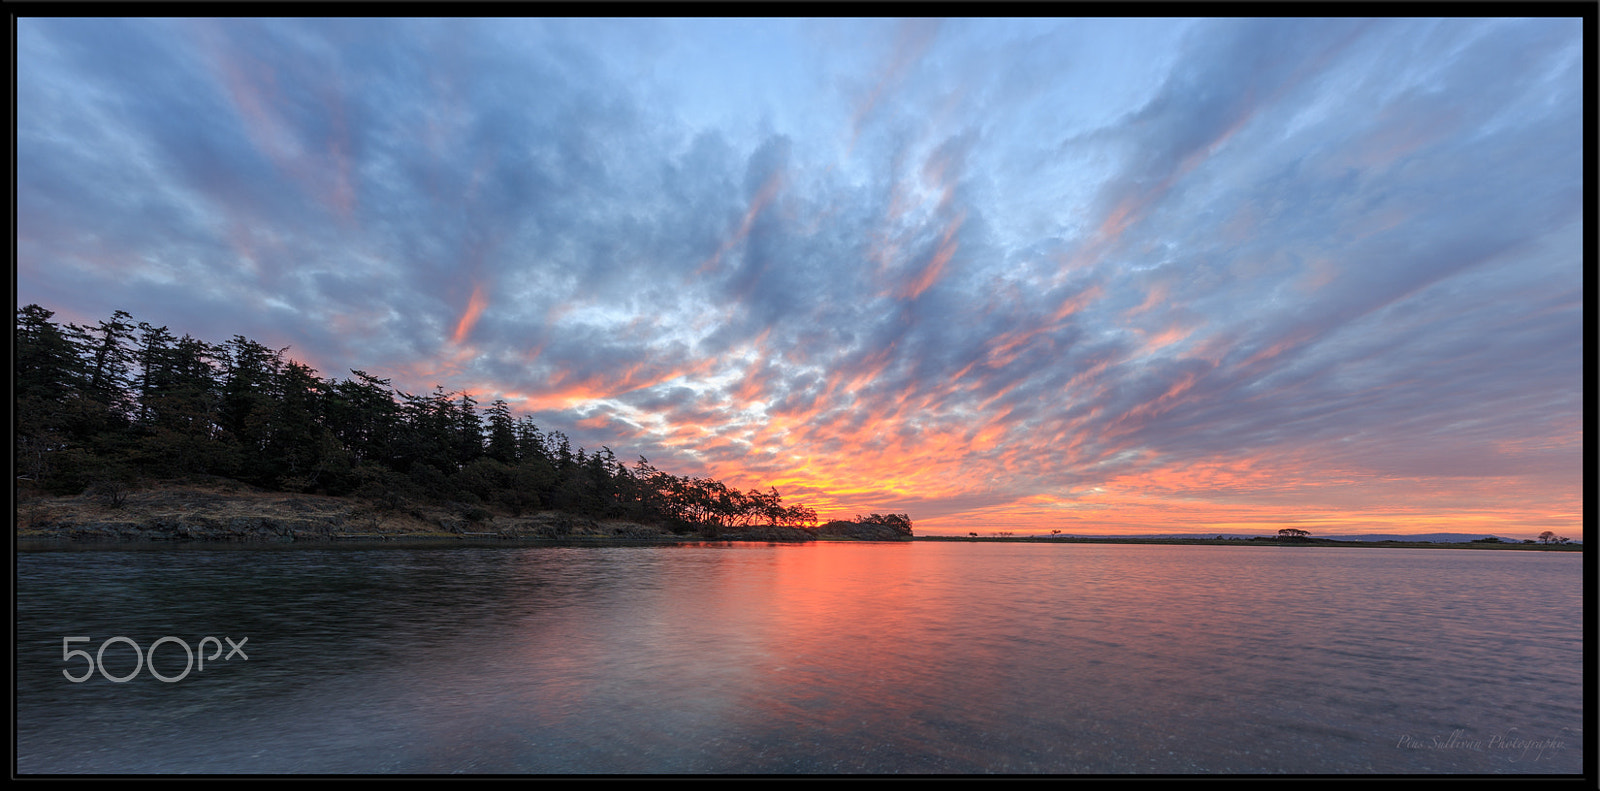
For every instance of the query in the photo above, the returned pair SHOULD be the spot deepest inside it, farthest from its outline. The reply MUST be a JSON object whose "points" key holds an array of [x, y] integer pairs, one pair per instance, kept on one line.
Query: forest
{"points": [[107, 407]]}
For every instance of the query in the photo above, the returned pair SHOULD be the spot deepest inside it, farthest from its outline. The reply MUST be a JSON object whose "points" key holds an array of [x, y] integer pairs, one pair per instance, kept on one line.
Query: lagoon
{"points": [[829, 657]]}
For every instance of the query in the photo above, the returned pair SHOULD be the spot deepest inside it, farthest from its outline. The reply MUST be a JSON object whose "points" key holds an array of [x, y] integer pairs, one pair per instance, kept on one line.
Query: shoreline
{"points": [[223, 512], [36, 542], [1259, 542], [227, 513]]}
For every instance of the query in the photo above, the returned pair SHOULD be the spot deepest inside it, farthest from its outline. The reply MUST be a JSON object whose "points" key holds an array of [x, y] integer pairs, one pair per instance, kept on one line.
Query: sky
{"points": [[1101, 276]]}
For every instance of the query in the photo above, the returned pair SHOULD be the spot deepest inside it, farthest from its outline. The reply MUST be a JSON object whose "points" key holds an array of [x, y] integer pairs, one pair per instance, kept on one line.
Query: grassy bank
{"points": [[225, 510], [231, 511]]}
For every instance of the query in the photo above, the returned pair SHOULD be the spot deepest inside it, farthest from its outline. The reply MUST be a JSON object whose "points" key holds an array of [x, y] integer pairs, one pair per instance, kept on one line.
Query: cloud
{"points": [[975, 269]]}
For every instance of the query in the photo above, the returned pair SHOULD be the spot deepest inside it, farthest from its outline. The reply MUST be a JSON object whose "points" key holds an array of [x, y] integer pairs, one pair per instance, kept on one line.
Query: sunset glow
{"points": [[1091, 276]]}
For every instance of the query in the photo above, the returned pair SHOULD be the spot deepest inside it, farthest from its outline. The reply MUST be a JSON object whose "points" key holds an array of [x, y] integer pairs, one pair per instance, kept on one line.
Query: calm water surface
{"points": [[820, 658]]}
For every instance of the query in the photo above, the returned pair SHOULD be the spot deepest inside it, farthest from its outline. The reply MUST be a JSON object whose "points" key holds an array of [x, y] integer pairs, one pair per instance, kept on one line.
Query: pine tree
{"points": [[502, 433]]}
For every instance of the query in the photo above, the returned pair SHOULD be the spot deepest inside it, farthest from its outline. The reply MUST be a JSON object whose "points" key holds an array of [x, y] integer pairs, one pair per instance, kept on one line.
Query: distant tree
{"points": [[45, 370], [363, 414], [180, 403], [900, 522], [530, 441], [249, 390], [47, 363], [1546, 537], [466, 431], [295, 429], [427, 431], [1292, 532], [55, 419], [801, 516], [109, 347], [154, 357], [502, 445], [94, 404]]}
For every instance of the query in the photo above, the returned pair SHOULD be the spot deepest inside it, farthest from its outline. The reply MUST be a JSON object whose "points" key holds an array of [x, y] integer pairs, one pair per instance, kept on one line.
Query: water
{"points": [[824, 658]]}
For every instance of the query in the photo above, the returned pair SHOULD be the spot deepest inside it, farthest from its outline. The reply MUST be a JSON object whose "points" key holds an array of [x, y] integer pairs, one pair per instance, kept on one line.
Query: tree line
{"points": [[119, 401], [898, 525]]}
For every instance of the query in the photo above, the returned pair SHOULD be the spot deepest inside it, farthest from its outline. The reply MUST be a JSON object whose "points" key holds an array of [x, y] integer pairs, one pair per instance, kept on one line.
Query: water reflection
{"points": [[833, 658]]}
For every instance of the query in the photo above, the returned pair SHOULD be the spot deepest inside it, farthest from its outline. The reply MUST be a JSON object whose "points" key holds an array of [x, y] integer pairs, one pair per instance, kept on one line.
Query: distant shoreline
{"points": [[46, 542], [1257, 542], [176, 514]]}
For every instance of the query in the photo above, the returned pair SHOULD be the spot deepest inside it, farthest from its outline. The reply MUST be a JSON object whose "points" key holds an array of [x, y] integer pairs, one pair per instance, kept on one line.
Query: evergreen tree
{"points": [[49, 376], [363, 415], [155, 357], [109, 362], [502, 433], [251, 373], [47, 362], [466, 442], [91, 404], [180, 407], [297, 453]]}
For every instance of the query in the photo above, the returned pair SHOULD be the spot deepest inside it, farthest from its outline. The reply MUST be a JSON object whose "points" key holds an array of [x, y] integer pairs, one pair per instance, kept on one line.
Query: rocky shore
{"points": [[230, 511], [236, 512]]}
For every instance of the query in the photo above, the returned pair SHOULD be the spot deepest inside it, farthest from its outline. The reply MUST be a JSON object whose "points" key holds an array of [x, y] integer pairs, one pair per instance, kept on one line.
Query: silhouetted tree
{"points": [[362, 413], [467, 431], [110, 360], [48, 380], [92, 405], [502, 445]]}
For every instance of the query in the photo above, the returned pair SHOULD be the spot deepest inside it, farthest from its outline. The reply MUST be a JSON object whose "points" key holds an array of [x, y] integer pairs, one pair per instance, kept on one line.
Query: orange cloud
{"points": [[475, 306], [562, 391], [1077, 302], [935, 268], [1165, 338], [1157, 296]]}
